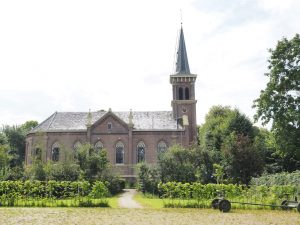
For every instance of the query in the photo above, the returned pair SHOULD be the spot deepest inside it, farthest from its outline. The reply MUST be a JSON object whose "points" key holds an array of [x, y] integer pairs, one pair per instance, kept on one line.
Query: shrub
{"points": [[114, 184]]}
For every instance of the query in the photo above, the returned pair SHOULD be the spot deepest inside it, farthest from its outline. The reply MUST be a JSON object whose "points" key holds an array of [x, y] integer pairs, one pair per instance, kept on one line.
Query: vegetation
{"points": [[196, 195], [53, 193], [279, 103], [230, 138], [283, 178]]}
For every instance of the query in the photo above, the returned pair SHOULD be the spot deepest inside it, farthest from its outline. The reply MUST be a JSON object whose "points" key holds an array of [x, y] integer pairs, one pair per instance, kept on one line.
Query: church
{"points": [[128, 137]]}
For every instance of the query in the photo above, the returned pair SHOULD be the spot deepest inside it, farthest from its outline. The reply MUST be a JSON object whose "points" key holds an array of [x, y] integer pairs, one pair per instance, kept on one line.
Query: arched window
{"points": [[98, 146], [140, 152], [37, 153], [180, 92], [119, 153], [55, 152], [109, 126], [161, 147], [77, 145], [187, 93]]}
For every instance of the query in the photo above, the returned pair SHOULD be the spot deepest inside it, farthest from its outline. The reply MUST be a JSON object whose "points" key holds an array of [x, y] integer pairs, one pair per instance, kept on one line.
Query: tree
{"points": [[3, 140], [220, 122], [148, 178], [94, 163], [219, 173], [15, 137], [242, 160], [279, 102], [28, 125], [177, 164], [3, 157], [16, 141], [230, 137]]}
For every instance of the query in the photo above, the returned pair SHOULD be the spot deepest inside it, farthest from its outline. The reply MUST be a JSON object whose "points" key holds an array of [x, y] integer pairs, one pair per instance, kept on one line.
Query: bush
{"points": [[114, 184], [197, 191], [148, 178], [283, 178], [99, 190]]}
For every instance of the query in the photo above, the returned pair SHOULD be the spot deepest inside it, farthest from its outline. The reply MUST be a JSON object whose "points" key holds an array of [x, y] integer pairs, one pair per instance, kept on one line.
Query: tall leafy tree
{"points": [[242, 159], [230, 137], [177, 164], [94, 163], [15, 137], [220, 122], [279, 102], [16, 141]]}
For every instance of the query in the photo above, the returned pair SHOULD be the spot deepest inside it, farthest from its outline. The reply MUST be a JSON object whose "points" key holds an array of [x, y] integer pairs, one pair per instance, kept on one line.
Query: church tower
{"points": [[183, 84]]}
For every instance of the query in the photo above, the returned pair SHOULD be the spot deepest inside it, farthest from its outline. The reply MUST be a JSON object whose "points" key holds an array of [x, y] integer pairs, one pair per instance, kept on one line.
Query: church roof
{"points": [[77, 121], [182, 63]]}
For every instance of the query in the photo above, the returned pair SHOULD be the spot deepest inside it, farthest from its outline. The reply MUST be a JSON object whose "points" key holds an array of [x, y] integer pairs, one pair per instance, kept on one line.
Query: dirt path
{"points": [[126, 199]]}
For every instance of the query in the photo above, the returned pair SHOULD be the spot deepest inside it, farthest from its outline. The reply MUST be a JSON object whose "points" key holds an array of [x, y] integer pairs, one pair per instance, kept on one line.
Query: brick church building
{"points": [[128, 137]]}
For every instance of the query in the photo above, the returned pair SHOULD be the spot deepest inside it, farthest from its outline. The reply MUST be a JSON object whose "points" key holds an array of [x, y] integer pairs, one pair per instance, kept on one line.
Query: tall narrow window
{"points": [[55, 152], [187, 93], [161, 147], [109, 126], [140, 152], [98, 146], [119, 153], [76, 146], [37, 153], [180, 92]]}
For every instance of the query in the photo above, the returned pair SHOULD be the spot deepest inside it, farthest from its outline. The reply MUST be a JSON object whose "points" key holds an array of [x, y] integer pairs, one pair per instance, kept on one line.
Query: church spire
{"points": [[182, 64]]}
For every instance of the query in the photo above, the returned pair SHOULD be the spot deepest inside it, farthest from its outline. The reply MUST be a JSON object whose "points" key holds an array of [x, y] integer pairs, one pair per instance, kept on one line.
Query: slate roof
{"points": [[182, 63], [76, 121]]}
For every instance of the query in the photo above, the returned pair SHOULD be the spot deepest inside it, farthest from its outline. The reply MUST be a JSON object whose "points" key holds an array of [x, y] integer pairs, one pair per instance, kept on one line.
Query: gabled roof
{"points": [[182, 63], [77, 121]]}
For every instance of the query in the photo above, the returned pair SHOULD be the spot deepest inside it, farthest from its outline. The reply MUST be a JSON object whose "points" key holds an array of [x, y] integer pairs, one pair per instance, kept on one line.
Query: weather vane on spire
{"points": [[181, 17]]}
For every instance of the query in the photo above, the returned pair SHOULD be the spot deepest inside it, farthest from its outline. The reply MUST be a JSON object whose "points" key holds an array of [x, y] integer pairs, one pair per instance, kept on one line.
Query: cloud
{"points": [[73, 55]]}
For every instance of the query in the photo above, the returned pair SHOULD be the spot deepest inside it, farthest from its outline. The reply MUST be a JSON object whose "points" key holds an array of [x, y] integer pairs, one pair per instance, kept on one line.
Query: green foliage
{"points": [[197, 195], [114, 183], [4, 159], [61, 171], [279, 103], [28, 125], [99, 190], [68, 171], [242, 159], [3, 139], [230, 137], [14, 137], [148, 178], [94, 163], [51, 193], [283, 178], [16, 143], [177, 165], [219, 173], [220, 122]]}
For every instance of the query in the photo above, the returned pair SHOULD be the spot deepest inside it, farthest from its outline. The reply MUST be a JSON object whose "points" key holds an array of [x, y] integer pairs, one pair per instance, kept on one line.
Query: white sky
{"points": [[74, 55]]}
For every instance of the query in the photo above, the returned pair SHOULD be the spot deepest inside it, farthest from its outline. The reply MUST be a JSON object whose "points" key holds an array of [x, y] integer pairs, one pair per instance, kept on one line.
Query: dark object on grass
{"points": [[224, 205]]}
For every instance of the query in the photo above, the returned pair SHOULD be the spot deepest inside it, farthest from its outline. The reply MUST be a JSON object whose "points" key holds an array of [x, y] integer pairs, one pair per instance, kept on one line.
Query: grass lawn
{"points": [[143, 216], [113, 202], [149, 202]]}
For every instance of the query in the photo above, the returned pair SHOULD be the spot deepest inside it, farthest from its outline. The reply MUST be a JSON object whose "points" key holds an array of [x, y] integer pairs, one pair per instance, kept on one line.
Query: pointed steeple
{"points": [[182, 63]]}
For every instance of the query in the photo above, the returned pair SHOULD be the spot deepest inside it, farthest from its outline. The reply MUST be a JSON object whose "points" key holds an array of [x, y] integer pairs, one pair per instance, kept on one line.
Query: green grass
{"points": [[72, 202], [149, 202], [153, 202], [113, 202]]}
